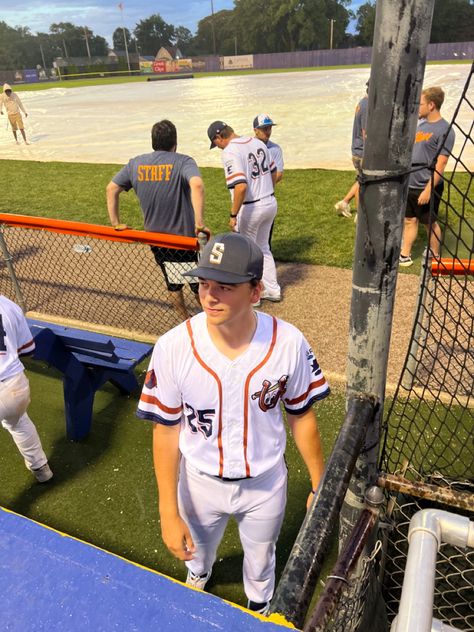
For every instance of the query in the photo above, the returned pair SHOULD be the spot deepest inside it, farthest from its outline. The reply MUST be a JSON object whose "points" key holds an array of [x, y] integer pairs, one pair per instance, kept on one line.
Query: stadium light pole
{"points": [[212, 28], [86, 37]]}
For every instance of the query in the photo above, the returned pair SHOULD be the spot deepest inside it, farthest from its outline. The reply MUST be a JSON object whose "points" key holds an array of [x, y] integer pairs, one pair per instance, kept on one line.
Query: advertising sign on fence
{"points": [[146, 66], [237, 61]]}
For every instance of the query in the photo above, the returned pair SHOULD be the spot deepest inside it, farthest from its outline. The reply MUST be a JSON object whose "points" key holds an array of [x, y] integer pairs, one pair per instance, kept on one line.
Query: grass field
{"points": [[307, 229]]}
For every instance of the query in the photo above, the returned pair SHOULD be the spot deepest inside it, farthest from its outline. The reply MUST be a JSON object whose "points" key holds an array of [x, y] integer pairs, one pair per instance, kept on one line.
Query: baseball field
{"points": [[104, 490]]}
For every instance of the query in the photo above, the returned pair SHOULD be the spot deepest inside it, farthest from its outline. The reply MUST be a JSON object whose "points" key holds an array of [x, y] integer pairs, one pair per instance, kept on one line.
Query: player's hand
{"points": [[121, 227], [424, 197], [177, 537], [203, 229], [233, 223]]}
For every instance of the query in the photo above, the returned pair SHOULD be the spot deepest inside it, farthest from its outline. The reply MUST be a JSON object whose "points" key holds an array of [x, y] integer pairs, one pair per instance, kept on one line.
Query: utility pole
{"points": [[331, 32], [212, 28], [235, 45], [42, 56]]}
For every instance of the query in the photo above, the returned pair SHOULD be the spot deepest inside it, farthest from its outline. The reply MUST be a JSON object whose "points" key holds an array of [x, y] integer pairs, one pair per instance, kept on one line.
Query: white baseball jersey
{"points": [[246, 159], [276, 155], [15, 338], [229, 410]]}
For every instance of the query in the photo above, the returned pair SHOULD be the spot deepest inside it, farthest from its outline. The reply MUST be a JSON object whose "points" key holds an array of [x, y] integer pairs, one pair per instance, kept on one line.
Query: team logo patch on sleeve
{"points": [[270, 394], [150, 379], [315, 368]]}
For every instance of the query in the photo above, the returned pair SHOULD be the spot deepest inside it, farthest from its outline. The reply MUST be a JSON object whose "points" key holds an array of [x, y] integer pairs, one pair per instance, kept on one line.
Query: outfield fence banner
{"points": [[129, 282], [237, 62]]}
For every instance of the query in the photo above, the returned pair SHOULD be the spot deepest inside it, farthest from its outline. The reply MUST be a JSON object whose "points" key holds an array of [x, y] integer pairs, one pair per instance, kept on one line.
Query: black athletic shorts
{"points": [[422, 212], [173, 262]]}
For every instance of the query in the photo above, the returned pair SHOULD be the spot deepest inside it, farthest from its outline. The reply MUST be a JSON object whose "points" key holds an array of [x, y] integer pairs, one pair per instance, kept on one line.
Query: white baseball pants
{"points": [[14, 400], [255, 222], [258, 505]]}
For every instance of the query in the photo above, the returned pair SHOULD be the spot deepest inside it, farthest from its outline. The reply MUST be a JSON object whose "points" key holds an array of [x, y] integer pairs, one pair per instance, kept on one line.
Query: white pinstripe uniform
{"points": [[15, 340], [232, 435], [247, 160]]}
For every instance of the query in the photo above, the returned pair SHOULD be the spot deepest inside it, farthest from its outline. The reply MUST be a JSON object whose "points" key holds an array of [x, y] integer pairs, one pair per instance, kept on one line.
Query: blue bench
{"points": [[87, 361]]}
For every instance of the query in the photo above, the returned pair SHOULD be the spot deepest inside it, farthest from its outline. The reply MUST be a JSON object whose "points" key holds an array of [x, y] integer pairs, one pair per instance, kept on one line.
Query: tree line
{"points": [[252, 26]]}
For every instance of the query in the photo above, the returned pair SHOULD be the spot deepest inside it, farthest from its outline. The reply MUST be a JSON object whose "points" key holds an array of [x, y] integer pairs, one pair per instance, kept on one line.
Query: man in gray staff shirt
{"points": [[171, 194], [434, 139]]}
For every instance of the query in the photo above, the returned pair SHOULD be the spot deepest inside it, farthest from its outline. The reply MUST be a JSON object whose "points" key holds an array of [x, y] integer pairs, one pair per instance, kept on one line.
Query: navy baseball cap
{"points": [[229, 258], [214, 129], [262, 120]]}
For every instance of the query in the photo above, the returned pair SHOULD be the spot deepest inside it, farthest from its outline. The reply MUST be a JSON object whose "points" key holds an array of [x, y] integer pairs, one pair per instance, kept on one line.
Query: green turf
{"points": [[104, 490]]}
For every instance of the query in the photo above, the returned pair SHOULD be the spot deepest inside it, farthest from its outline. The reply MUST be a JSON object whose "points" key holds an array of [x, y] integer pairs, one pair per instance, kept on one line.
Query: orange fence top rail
{"points": [[458, 267], [100, 232]]}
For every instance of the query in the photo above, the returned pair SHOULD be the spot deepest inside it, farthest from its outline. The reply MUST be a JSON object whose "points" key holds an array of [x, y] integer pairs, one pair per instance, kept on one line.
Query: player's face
{"points": [[226, 304], [263, 133]]}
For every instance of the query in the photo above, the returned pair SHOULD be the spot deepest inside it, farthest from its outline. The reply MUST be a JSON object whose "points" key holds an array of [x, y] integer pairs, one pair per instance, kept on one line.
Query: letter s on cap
{"points": [[217, 253]]}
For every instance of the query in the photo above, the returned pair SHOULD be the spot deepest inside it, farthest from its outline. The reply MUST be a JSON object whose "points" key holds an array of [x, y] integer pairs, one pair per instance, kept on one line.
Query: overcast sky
{"points": [[103, 16]]}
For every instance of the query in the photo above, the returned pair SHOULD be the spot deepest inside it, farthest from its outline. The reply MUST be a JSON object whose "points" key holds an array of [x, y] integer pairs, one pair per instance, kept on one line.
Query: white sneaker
{"points": [[260, 608], [198, 581], [343, 208], [274, 298], [43, 474]]}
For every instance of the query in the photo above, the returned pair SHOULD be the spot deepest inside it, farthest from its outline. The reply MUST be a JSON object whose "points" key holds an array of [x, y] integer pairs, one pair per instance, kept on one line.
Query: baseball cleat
{"points": [[274, 298], [43, 474], [259, 608], [405, 261], [197, 581], [343, 208]]}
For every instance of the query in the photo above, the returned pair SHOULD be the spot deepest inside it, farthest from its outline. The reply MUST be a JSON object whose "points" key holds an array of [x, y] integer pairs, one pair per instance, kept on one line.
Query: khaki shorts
{"points": [[16, 121]]}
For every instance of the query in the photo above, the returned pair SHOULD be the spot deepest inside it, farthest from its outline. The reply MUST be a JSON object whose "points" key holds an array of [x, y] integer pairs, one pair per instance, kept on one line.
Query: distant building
{"points": [[169, 53]]}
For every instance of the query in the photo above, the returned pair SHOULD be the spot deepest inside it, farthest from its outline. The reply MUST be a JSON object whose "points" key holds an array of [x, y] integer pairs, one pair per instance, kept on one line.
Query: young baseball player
{"points": [[214, 390], [250, 176], [16, 340], [263, 127], [13, 105]]}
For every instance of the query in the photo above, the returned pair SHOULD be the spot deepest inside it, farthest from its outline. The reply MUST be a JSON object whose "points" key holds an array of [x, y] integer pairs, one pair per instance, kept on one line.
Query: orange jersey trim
{"points": [[246, 392], [25, 346], [154, 401], [219, 389], [299, 399]]}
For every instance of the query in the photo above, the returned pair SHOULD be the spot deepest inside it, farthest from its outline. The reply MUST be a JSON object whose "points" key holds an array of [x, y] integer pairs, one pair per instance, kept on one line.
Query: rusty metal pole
{"points": [[402, 32]]}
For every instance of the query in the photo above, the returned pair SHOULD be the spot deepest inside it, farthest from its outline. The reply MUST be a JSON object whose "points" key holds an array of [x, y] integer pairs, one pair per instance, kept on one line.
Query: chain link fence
{"points": [[127, 282]]}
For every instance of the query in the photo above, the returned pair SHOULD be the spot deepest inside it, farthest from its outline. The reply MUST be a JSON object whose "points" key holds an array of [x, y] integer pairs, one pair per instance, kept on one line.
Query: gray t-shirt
{"points": [[360, 123], [428, 140], [161, 181]]}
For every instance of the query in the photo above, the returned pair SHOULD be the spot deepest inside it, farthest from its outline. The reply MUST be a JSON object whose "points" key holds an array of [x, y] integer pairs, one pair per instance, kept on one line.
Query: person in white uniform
{"points": [[16, 340], [250, 176], [214, 390]]}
